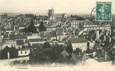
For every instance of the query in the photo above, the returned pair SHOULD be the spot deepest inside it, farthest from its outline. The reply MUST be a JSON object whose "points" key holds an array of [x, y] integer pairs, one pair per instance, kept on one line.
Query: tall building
{"points": [[51, 13]]}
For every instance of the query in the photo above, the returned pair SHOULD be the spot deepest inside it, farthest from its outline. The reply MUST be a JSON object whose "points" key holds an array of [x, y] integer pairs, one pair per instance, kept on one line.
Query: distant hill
{"points": [[10, 14]]}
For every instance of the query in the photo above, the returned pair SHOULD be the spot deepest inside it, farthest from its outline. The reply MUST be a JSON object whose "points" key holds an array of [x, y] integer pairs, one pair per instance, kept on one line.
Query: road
{"points": [[90, 65]]}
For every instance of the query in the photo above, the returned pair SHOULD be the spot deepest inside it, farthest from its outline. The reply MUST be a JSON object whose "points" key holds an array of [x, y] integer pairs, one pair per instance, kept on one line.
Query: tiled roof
{"points": [[24, 49], [20, 37], [35, 40], [19, 42]]}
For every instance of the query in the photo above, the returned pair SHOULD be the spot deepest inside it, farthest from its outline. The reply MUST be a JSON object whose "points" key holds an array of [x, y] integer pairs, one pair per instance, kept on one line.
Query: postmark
{"points": [[103, 11]]}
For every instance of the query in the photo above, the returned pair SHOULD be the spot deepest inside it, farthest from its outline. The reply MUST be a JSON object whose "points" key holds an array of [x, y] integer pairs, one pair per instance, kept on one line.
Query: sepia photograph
{"points": [[57, 35]]}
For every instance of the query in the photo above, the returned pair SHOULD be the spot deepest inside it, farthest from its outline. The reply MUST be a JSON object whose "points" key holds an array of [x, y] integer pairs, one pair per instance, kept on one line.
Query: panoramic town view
{"points": [[55, 38]]}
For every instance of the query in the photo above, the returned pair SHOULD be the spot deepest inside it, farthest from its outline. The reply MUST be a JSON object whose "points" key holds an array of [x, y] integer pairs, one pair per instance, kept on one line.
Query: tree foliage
{"points": [[42, 27], [69, 48], [31, 28]]}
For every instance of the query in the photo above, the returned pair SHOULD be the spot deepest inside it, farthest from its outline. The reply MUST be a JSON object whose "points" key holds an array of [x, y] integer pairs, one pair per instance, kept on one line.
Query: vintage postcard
{"points": [[57, 35]]}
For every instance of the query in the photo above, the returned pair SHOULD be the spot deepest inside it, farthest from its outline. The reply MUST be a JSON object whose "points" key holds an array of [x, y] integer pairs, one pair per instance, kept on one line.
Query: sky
{"points": [[42, 6]]}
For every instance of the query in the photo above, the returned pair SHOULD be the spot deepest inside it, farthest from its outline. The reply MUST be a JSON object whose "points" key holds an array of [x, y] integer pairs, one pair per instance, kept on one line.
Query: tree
{"points": [[31, 28], [13, 52], [91, 35], [12, 36], [46, 45], [69, 48], [42, 27], [4, 52]]}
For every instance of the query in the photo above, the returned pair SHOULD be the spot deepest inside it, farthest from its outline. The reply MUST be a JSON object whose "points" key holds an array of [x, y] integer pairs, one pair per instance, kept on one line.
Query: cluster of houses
{"points": [[23, 44], [60, 28]]}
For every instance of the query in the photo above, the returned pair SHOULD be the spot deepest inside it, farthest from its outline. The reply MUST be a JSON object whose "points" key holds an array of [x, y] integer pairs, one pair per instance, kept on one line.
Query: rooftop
{"points": [[35, 40], [78, 40], [20, 37]]}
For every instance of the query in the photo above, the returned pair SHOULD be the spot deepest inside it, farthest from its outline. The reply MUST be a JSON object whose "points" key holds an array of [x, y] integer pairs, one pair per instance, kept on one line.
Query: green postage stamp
{"points": [[103, 11]]}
